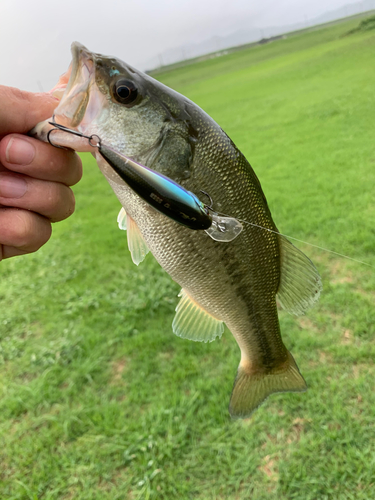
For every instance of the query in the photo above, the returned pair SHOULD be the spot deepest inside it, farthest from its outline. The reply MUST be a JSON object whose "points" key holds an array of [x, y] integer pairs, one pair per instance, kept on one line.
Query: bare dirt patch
{"points": [[270, 467], [118, 368]]}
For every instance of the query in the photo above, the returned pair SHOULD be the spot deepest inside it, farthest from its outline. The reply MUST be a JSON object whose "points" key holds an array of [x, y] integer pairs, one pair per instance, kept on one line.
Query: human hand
{"points": [[34, 176]]}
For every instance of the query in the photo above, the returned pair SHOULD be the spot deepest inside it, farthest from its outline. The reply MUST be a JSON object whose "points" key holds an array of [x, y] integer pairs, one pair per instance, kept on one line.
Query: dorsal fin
{"points": [[193, 322], [300, 283]]}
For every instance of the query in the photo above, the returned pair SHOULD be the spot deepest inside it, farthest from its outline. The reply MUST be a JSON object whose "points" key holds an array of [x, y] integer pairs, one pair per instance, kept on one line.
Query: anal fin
{"points": [[194, 323]]}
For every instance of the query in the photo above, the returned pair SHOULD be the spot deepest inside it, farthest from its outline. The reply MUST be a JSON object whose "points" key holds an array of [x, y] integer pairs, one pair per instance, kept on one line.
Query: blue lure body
{"points": [[159, 191]]}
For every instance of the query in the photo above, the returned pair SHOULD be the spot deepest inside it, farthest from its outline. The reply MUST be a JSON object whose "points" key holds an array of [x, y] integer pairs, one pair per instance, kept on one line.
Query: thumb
{"points": [[20, 111]]}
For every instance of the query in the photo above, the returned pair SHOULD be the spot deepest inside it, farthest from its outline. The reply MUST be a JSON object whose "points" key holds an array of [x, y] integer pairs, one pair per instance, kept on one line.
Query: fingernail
{"points": [[19, 152], [12, 186]]}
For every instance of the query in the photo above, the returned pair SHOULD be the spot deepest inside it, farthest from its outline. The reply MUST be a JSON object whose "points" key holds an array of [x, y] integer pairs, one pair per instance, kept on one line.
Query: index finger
{"points": [[37, 159], [20, 111]]}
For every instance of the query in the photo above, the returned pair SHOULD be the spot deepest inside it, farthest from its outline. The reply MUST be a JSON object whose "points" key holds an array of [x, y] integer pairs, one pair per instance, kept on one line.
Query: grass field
{"points": [[99, 400]]}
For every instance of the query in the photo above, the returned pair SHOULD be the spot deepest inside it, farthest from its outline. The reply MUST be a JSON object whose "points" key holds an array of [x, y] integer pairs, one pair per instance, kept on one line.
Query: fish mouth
{"points": [[80, 99]]}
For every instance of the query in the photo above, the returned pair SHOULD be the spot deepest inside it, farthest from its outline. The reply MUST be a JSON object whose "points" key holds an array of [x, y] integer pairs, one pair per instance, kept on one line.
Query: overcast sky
{"points": [[35, 36]]}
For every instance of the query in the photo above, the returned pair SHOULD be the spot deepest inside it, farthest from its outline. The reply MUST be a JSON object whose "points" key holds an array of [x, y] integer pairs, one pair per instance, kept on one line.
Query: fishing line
{"points": [[300, 241], [95, 141]]}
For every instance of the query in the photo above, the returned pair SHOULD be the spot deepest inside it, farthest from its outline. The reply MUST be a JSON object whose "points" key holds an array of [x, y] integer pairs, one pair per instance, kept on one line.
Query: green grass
{"points": [[99, 400]]}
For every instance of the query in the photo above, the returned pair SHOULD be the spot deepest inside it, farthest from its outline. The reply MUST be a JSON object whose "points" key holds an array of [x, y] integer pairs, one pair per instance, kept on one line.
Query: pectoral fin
{"points": [[300, 283], [194, 323], [121, 219]]}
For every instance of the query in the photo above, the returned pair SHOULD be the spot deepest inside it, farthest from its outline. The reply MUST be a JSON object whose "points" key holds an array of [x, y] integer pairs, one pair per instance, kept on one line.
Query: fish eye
{"points": [[125, 91]]}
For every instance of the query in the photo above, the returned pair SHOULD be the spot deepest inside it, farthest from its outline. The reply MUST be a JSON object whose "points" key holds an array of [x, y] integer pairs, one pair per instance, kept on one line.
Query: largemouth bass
{"points": [[235, 283]]}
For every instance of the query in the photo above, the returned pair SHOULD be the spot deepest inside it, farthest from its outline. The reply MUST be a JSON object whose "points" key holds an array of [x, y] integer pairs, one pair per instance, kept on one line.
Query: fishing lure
{"points": [[174, 201], [162, 193]]}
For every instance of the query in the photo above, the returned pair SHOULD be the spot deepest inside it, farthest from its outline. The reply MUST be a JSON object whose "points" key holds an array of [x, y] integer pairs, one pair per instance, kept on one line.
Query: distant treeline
{"points": [[365, 25]]}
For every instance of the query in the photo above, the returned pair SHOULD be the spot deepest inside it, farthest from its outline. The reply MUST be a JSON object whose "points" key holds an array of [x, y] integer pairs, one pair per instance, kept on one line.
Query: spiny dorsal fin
{"points": [[136, 243], [192, 322], [121, 219], [300, 283]]}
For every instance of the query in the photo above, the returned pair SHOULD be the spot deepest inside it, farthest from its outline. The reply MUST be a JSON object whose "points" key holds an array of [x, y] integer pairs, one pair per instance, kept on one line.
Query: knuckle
{"points": [[42, 238], [74, 164], [61, 202], [17, 94], [69, 204], [62, 166], [72, 205], [31, 231], [21, 230]]}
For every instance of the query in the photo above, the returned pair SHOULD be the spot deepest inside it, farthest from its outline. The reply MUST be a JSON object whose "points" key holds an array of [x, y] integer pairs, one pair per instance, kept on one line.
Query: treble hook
{"points": [[52, 143], [57, 126], [211, 200]]}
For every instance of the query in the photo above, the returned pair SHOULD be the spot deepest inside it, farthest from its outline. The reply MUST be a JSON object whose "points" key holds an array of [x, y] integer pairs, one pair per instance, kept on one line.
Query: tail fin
{"points": [[251, 389]]}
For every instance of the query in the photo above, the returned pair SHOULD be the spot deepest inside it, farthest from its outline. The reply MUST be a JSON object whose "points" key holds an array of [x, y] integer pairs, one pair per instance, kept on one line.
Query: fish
{"points": [[236, 283]]}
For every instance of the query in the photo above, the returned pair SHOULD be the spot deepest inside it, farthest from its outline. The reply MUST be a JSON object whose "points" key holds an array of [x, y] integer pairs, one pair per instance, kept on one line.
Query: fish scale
{"points": [[234, 282]]}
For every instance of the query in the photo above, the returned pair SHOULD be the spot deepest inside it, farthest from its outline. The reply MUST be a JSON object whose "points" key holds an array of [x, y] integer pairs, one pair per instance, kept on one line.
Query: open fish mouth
{"points": [[80, 99]]}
